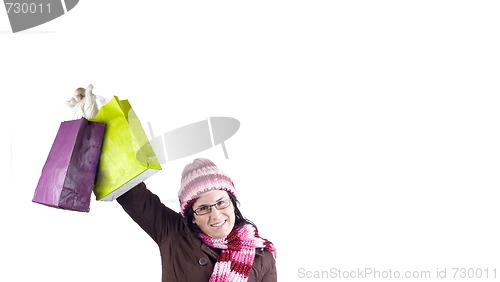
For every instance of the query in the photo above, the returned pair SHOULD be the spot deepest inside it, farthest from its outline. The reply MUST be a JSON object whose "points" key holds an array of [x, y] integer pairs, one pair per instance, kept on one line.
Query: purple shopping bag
{"points": [[69, 174]]}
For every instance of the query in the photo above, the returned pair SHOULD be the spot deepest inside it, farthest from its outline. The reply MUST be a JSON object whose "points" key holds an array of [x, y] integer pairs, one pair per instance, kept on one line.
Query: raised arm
{"points": [[146, 209]]}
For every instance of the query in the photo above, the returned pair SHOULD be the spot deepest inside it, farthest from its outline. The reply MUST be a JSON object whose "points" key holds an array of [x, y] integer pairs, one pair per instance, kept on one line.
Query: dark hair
{"points": [[239, 219]]}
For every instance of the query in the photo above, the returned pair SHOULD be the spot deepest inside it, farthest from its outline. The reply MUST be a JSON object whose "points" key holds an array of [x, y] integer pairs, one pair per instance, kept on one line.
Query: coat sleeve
{"points": [[146, 209]]}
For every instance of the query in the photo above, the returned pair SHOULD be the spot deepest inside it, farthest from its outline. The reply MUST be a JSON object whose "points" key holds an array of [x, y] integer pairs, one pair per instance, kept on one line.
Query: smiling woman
{"points": [[217, 224], [209, 240]]}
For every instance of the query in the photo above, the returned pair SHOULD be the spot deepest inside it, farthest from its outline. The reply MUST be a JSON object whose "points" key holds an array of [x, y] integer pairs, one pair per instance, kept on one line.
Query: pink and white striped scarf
{"points": [[238, 252]]}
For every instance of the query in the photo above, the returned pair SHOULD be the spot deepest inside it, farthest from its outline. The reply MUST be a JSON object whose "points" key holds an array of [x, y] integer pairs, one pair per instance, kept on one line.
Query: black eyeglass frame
{"points": [[213, 205]]}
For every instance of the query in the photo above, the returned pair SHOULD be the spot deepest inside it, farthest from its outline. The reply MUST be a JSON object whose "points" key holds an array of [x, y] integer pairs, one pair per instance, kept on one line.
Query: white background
{"points": [[369, 129]]}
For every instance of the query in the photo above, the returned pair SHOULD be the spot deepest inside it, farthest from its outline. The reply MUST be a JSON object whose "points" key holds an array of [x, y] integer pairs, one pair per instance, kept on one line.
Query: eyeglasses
{"points": [[220, 205]]}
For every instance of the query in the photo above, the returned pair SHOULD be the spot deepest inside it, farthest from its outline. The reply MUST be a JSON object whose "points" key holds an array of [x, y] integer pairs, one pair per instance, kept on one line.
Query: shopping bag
{"points": [[69, 173], [127, 157]]}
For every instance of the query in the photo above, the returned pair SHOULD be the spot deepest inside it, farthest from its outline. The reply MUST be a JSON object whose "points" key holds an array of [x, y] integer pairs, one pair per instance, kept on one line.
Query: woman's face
{"points": [[216, 223]]}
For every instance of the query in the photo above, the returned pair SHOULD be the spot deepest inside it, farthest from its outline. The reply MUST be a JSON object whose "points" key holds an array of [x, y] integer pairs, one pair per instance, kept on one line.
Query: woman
{"points": [[209, 240]]}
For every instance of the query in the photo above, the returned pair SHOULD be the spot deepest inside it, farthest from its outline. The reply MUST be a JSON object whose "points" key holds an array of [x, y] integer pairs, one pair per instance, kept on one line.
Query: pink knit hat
{"points": [[198, 177]]}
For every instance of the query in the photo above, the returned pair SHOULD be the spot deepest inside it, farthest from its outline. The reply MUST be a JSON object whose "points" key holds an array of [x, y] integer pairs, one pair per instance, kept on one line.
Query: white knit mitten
{"points": [[84, 103]]}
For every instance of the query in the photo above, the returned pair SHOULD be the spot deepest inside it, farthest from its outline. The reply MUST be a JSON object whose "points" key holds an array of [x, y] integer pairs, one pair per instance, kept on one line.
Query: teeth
{"points": [[218, 224]]}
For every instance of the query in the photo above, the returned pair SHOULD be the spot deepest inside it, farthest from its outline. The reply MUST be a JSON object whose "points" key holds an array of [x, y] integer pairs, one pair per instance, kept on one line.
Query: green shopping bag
{"points": [[127, 157]]}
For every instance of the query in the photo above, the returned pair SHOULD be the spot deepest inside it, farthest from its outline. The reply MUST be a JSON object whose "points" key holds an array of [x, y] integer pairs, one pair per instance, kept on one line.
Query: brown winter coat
{"points": [[184, 257]]}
